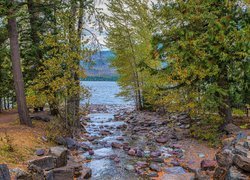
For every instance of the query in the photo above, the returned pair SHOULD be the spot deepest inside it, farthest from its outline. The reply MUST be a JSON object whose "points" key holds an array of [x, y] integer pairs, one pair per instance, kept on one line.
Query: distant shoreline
{"points": [[97, 78]]}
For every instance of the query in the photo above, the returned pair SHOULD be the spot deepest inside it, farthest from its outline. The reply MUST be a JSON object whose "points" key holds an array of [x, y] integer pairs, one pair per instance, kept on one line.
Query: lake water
{"points": [[104, 92]]}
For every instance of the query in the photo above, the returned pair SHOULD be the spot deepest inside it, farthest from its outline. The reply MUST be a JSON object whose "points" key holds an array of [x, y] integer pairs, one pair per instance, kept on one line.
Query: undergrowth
{"points": [[207, 129]]}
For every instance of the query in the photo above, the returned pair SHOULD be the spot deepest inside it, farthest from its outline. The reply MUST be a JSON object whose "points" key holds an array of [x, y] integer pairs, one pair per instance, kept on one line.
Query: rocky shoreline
{"points": [[139, 145]]}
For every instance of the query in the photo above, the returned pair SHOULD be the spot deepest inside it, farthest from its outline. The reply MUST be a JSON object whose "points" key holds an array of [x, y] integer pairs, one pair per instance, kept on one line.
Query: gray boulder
{"points": [[20, 174], [242, 162], [63, 173], [224, 158], [71, 143], [60, 154], [236, 174], [44, 163], [4, 172]]}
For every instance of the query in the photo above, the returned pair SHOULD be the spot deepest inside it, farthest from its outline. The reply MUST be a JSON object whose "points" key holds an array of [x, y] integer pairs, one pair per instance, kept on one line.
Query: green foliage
{"points": [[208, 130], [238, 112]]}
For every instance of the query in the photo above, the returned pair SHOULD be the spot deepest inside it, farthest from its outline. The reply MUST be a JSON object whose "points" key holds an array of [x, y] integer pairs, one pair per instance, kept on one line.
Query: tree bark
{"points": [[1, 105], [225, 109], [16, 68]]}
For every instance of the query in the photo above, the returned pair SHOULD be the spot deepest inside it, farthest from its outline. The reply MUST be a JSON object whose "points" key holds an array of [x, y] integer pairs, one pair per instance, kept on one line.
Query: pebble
{"points": [[40, 152], [129, 168]]}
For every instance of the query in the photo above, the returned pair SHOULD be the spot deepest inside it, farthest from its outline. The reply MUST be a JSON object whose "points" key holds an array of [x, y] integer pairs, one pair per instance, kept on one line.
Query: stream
{"points": [[107, 163]]}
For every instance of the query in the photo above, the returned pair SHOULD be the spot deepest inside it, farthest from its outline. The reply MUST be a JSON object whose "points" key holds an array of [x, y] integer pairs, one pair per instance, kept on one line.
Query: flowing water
{"points": [[103, 164]]}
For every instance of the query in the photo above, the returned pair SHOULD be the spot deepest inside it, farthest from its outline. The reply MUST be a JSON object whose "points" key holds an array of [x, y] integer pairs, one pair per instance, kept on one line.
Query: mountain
{"points": [[99, 67]]}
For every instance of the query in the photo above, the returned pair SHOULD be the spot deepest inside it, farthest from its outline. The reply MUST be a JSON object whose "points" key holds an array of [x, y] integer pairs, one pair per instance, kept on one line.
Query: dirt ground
{"points": [[17, 142]]}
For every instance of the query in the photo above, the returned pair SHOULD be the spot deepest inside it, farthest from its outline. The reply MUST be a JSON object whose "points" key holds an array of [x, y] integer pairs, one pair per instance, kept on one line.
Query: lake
{"points": [[104, 92]]}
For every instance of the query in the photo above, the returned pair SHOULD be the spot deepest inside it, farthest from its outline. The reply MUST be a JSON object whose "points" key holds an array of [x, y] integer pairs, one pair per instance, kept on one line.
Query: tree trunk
{"points": [[16, 68], [225, 109], [1, 105]]}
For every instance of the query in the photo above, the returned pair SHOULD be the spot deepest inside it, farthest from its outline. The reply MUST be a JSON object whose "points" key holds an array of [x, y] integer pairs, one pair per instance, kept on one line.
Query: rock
{"points": [[153, 174], [201, 155], [20, 174], [239, 149], [120, 138], [84, 146], [4, 172], [132, 152], [227, 141], [60, 154], [220, 173], [175, 163], [71, 143], [116, 145], [139, 153], [76, 167], [158, 160], [117, 159], [242, 162], [91, 152], [44, 163], [175, 170], [200, 175], [129, 168], [231, 128], [155, 167], [65, 173], [40, 152], [161, 139], [86, 173], [41, 117], [208, 165], [60, 140], [105, 133], [141, 164], [224, 158], [155, 153], [236, 174], [91, 138]]}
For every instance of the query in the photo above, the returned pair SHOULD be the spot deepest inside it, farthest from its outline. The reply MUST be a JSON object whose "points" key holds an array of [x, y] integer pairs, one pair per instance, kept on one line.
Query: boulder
{"points": [[86, 173], [241, 150], [60, 140], [20, 174], [235, 173], [60, 154], [44, 163], [201, 175], [71, 143], [65, 173], [231, 128], [242, 162], [220, 173], [4, 172], [224, 158], [208, 165]]}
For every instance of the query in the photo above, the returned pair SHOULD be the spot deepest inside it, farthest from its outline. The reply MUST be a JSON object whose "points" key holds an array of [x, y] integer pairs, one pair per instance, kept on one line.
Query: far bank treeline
{"points": [[41, 46], [183, 56]]}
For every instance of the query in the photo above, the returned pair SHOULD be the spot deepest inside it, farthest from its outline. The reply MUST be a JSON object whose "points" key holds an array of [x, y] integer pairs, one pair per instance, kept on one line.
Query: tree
{"points": [[16, 68], [129, 36], [204, 43]]}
